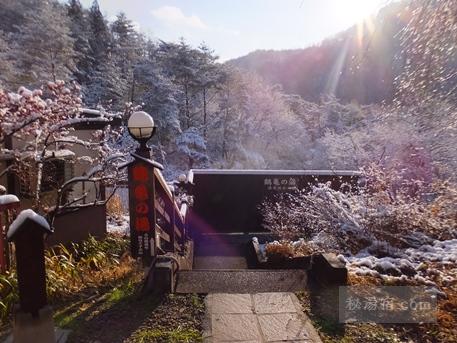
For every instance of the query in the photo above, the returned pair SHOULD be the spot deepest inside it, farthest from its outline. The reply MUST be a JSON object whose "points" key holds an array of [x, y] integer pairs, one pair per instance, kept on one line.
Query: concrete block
{"points": [[327, 269]]}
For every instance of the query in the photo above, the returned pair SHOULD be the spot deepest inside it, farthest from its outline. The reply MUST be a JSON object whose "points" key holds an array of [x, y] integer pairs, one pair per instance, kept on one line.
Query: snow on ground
{"points": [[119, 225], [432, 264], [410, 264]]}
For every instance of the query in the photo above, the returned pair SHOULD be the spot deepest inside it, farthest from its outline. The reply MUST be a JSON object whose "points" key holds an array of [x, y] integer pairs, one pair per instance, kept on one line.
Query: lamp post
{"points": [[141, 181], [141, 128]]}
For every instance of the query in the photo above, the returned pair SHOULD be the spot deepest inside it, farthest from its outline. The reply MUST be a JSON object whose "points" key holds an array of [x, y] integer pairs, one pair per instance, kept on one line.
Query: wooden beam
{"points": [[162, 234]]}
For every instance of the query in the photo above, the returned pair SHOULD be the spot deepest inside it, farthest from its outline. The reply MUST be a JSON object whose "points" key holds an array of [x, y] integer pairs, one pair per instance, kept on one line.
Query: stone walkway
{"points": [[260, 317]]}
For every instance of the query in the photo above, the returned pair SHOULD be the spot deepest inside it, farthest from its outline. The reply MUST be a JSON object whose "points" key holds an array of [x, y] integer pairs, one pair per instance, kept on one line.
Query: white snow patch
{"points": [[62, 153], [413, 259], [8, 199], [89, 111], [14, 98], [22, 217], [121, 225]]}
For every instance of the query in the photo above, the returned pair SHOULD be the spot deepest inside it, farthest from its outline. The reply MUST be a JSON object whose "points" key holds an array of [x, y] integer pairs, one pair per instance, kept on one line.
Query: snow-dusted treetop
{"points": [[22, 218]]}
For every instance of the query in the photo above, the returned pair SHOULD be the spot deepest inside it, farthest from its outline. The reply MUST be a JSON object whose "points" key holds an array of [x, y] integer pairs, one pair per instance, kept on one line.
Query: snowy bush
{"points": [[42, 121], [389, 212]]}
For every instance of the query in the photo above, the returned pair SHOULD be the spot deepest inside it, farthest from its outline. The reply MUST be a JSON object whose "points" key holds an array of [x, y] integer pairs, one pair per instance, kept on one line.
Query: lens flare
{"points": [[356, 11]]}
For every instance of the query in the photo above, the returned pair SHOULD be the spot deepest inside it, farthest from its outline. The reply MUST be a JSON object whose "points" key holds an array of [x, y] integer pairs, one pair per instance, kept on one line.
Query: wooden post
{"points": [[27, 235], [33, 319], [8, 206]]}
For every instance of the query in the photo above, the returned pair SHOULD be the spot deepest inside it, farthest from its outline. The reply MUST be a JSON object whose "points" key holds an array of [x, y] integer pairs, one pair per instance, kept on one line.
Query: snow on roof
{"points": [[98, 113], [90, 111], [22, 217], [8, 199], [276, 172], [62, 153]]}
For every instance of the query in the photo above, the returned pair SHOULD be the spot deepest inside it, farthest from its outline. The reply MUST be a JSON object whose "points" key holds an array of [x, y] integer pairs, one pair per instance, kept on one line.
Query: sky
{"points": [[233, 28]]}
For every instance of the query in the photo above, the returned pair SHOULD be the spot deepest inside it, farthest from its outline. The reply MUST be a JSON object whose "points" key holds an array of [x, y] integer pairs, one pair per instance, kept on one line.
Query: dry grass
{"points": [[82, 268], [285, 249], [443, 331], [114, 207], [278, 252]]}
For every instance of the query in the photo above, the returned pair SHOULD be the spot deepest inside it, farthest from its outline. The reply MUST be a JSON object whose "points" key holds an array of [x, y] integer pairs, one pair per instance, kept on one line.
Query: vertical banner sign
{"points": [[142, 211]]}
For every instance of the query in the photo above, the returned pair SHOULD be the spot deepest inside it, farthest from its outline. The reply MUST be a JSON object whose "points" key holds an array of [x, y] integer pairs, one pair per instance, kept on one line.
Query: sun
{"points": [[355, 11]]}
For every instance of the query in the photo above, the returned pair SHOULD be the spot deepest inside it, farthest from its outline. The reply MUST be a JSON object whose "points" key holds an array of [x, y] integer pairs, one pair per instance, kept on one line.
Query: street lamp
{"points": [[141, 128]]}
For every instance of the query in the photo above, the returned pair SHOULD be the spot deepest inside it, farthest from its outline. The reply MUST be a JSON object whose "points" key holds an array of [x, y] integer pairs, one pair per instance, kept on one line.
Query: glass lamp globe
{"points": [[182, 178], [141, 125]]}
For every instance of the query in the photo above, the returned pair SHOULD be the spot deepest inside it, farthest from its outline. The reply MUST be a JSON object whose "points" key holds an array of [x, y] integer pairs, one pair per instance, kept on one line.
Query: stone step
{"points": [[220, 262], [232, 244], [241, 281]]}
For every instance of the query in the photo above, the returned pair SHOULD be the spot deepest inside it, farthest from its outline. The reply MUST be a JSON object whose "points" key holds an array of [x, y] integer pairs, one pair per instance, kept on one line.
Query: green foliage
{"points": [[8, 293], [122, 292], [172, 336], [197, 302]]}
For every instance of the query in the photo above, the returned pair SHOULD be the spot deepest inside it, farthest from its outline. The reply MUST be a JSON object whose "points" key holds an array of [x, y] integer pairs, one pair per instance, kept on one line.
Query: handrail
{"points": [[173, 226], [164, 186]]}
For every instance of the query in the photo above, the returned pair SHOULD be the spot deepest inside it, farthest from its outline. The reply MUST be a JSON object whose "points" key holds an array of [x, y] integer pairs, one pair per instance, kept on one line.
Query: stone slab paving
{"points": [[257, 318], [241, 281]]}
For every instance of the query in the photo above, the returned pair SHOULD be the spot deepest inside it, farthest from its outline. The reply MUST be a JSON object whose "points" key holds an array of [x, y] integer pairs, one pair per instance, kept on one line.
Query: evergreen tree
{"points": [[210, 75], [159, 96], [104, 85], [99, 35], [127, 43], [127, 49], [181, 65], [79, 32], [46, 47], [7, 68]]}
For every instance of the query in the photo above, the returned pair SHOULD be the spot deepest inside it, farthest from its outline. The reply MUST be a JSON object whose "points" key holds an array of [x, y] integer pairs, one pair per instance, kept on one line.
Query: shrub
{"points": [[114, 207], [8, 293], [389, 208], [279, 251]]}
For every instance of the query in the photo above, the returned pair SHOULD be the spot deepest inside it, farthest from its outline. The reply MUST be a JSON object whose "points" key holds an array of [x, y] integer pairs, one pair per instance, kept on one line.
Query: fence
{"points": [[76, 224], [76, 220]]}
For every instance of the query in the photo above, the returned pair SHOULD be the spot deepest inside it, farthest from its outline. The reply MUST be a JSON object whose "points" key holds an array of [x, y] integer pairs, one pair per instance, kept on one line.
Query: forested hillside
{"points": [[361, 64], [211, 114]]}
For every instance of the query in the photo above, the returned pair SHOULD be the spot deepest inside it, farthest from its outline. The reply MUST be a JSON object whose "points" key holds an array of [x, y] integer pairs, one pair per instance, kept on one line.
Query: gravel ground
{"points": [[168, 318]]}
